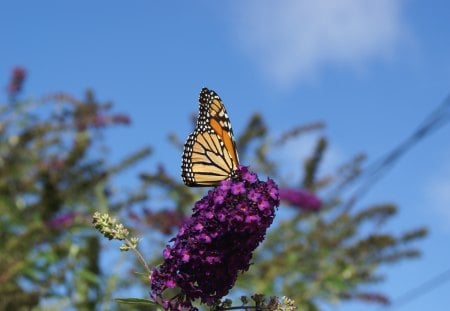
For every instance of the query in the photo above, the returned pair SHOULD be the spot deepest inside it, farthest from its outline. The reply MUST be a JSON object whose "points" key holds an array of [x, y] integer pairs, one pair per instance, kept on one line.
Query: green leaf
{"points": [[135, 301]]}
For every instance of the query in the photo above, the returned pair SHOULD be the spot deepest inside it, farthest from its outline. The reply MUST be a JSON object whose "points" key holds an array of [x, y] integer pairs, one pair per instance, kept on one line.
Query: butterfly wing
{"points": [[209, 154]]}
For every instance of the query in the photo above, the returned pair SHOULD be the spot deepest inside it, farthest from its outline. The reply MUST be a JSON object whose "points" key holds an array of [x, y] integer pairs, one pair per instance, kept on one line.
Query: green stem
{"points": [[139, 256]]}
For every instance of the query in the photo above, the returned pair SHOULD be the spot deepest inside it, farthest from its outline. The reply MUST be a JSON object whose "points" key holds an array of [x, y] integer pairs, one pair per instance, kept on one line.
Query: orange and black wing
{"points": [[209, 154]]}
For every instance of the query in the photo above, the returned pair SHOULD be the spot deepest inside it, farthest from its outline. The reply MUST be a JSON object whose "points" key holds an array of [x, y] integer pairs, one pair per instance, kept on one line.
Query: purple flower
{"points": [[254, 195], [61, 221], [217, 241], [121, 119], [301, 198], [248, 176], [101, 120], [218, 199], [237, 188], [263, 205], [225, 185], [17, 79], [374, 297]]}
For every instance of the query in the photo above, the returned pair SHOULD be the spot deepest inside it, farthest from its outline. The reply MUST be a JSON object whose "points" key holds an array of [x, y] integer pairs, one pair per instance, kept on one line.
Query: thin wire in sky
{"points": [[373, 173], [418, 291]]}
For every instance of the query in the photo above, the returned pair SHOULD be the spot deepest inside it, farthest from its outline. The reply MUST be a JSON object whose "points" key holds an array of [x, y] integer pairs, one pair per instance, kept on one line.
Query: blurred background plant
{"points": [[53, 177], [54, 174]]}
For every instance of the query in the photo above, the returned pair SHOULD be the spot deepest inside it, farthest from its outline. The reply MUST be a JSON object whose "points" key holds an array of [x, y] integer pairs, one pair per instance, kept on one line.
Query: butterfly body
{"points": [[209, 154]]}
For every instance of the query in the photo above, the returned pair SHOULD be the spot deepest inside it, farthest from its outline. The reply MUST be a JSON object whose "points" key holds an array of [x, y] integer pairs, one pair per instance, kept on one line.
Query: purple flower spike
{"points": [[18, 77], [301, 198], [225, 228], [62, 221]]}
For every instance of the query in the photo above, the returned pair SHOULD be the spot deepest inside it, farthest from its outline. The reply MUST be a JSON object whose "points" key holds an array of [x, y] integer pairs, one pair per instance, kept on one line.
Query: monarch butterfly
{"points": [[209, 154]]}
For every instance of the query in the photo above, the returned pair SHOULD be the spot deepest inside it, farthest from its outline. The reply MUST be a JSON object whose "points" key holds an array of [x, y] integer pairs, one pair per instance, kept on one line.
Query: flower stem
{"points": [[139, 255]]}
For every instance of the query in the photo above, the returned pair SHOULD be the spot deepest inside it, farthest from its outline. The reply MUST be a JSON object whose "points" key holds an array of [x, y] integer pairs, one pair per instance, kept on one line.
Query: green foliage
{"points": [[259, 302], [136, 301], [53, 176]]}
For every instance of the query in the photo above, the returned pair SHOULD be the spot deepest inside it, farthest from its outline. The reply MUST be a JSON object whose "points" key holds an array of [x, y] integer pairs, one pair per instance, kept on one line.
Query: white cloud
{"points": [[294, 39]]}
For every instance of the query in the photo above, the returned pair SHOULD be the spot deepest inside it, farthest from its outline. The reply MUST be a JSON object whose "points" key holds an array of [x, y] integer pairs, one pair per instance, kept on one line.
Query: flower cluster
{"points": [[301, 198], [217, 242], [101, 120], [109, 227], [62, 221], [17, 80]]}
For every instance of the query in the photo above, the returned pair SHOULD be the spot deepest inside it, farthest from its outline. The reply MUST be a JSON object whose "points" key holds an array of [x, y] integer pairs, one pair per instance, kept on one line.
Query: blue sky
{"points": [[372, 70]]}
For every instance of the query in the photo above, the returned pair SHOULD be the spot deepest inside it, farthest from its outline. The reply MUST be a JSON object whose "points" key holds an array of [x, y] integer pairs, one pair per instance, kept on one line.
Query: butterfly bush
{"points": [[217, 242], [301, 198]]}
